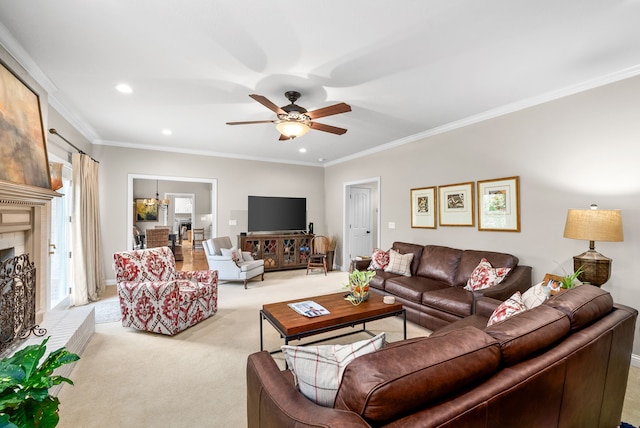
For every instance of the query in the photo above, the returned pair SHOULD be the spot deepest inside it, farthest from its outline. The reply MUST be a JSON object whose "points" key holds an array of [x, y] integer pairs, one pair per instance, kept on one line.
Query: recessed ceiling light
{"points": [[167, 132], [302, 150], [321, 159], [124, 88]]}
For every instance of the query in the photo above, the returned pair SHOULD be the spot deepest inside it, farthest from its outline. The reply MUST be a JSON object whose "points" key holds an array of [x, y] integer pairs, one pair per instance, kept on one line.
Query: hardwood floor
{"points": [[194, 259]]}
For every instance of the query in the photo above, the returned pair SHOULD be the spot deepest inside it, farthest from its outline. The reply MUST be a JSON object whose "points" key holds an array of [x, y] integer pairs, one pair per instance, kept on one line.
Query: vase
{"points": [[357, 297]]}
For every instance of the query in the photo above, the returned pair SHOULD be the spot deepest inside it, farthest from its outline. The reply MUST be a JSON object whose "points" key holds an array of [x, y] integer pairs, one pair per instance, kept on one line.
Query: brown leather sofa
{"points": [[562, 364], [434, 294]]}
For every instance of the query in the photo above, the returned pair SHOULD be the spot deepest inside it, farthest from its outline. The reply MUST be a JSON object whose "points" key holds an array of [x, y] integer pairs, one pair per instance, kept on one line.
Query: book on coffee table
{"points": [[309, 308]]}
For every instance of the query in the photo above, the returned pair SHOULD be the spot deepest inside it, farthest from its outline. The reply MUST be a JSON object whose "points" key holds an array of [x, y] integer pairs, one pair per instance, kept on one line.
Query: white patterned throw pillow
{"points": [[379, 259], [485, 276], [318, 370], [535, 296], [513, 305], [399, 263]]}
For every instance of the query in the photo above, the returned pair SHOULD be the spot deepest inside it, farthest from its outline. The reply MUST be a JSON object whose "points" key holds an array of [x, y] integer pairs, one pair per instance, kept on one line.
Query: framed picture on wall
{"points": [[456, 204], [146, 210], [499, 205], [22, 144], [423, 207]]}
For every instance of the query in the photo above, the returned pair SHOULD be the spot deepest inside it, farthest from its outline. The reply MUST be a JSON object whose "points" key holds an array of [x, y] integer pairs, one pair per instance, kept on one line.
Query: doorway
{"points": [[361, 218], [185, 185], [181, 212]]}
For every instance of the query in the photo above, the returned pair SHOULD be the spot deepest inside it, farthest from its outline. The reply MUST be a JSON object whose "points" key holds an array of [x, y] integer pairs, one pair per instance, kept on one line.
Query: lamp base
{"points": [[596, 268]]}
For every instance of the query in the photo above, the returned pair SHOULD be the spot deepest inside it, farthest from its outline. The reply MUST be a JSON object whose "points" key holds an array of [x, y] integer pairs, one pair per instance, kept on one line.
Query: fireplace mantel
{"points": [[27, 209], [22, 194]]}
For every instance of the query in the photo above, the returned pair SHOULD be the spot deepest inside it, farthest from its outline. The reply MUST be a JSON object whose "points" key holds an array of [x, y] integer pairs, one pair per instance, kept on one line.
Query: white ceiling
{"points": [[407, 68]]}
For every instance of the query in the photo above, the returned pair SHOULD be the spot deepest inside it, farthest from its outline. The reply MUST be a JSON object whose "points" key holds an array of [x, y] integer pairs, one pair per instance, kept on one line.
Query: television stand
{"points": [[279, 251]]}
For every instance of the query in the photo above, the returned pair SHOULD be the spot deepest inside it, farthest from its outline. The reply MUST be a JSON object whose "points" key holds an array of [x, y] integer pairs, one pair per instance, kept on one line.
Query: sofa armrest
{"points": [[360, 264], [202, 277], [518, 280], [486, 305], [273, 401]]}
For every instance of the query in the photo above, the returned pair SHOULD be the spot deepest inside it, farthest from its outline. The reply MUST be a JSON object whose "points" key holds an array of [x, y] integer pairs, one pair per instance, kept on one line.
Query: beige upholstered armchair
{"points": [[231, 264]]}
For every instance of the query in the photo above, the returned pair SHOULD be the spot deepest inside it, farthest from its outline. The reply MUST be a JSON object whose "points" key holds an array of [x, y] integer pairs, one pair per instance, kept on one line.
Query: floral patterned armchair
{"points": [[155, 297]]}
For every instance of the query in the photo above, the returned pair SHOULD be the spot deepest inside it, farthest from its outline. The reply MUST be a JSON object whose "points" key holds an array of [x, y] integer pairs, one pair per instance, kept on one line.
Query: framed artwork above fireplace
{"points": [[22, 144]]}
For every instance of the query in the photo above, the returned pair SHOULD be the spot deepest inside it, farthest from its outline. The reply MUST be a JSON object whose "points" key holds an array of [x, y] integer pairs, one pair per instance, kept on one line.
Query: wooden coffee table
{"points": [[291, 325]]}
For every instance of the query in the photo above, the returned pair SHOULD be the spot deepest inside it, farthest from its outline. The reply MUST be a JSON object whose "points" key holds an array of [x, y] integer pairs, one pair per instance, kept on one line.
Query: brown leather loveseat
{"points": [[563, 364], [434, 294]]}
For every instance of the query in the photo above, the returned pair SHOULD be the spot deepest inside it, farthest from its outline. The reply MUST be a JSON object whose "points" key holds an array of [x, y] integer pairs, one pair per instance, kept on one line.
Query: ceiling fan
{"points": [[294, 121]]}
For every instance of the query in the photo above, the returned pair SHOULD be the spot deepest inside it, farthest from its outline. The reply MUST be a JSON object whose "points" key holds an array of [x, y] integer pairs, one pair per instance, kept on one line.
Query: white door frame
{"points": [[131, 177], [345, 216]]}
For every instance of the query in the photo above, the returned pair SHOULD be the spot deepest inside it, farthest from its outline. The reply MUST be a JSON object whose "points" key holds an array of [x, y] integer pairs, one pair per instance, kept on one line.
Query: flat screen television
{"points": [[277, 214]]}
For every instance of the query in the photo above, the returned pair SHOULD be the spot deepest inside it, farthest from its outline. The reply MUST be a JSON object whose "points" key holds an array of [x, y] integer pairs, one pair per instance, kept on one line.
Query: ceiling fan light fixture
{"points": [[292, 129]]}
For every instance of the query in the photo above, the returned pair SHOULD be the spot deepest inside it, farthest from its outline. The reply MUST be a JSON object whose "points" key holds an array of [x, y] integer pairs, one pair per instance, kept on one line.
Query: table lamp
{"points": [[593, 225]]}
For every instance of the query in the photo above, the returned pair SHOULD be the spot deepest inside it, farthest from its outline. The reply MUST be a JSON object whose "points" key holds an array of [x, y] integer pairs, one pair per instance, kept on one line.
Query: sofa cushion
{"points": [[529, 332], [218, 243], [405, 248], [471, 258], [477, 321], [399, 263], [400, 379], [253, 264], [454, 300], [485, 276], [379, 281], [318, 369], [379, 259], [411, 288], [510, 307], [439, 263], [583, 304]]}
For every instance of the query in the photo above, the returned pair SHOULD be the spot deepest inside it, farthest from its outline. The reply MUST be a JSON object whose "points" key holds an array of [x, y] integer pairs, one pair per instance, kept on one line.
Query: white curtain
{"points": [[88, 276]]}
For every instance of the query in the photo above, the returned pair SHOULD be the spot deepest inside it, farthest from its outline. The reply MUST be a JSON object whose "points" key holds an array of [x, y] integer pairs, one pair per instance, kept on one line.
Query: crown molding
{"points": [[200, 153], [500, 111]]}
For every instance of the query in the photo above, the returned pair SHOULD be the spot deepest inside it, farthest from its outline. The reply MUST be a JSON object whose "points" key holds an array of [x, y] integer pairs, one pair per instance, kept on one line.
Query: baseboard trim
{"points": [[635, 360]]}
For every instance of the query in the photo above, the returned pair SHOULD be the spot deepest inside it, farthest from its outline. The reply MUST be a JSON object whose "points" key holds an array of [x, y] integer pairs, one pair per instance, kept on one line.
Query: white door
{"points": [[360, 241]]}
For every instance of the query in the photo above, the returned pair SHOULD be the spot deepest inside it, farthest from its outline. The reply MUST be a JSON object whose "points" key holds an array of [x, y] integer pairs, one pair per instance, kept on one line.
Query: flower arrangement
{"points": [[359, 285]]}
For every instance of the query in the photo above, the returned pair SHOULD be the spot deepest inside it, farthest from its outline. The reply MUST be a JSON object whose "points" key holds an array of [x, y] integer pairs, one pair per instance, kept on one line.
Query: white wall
{"points": [[569, 153]]}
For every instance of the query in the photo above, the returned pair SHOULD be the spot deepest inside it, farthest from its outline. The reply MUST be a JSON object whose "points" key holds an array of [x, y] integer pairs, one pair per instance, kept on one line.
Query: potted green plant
{"points": [[24, 387], [359, 285], [569, 279]]}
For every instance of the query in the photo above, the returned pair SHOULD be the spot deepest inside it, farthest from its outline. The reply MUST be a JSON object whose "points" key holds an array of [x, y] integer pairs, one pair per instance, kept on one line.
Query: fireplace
{"points": [[17, 300], [24, 232]]}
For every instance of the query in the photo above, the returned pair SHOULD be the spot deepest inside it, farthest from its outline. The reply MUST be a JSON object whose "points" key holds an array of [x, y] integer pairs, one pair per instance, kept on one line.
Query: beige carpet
{"points": [[127, 378]]}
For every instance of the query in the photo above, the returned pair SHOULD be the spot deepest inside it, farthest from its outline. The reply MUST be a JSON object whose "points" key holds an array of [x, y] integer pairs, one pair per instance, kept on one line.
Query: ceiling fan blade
{"points": [[283, 137], [327, 128], [252, 122], [329, 111], [268, 104]]}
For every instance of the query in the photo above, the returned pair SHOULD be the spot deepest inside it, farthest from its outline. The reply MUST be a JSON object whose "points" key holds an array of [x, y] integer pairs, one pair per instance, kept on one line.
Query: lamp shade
{"points": [[594, 225], [292, 129]]}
